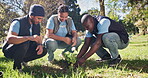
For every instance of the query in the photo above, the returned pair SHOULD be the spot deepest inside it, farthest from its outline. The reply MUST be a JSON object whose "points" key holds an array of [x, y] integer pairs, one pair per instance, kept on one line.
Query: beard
{"points": [[33, 21]]}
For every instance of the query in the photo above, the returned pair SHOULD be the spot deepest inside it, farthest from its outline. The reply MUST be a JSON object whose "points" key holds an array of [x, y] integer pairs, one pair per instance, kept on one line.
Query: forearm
{"points": [[74, 34], [39, 40], [17, 39], [82, 51], [55, 37], [93, 50], [94, 47]]}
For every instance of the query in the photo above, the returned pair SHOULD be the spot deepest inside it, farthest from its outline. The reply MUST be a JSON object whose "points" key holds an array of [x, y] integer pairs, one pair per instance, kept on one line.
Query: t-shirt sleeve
{"points": [[50, 23], [88, 34], [73, 26], [103, 26], [14, 27]]}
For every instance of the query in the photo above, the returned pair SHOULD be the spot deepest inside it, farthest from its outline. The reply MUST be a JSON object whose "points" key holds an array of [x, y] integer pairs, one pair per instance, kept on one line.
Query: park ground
{"points": [[133, 65]]}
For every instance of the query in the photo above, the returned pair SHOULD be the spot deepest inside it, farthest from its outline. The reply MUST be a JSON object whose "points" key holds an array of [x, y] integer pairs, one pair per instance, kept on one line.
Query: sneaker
{"points": [[1, 74], [20, 70], [114, 62], [25, 64], [104, 59]]}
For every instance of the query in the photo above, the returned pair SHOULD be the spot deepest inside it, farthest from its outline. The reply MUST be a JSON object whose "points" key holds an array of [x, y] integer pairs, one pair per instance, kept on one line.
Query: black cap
{"points": [[37, 10]]}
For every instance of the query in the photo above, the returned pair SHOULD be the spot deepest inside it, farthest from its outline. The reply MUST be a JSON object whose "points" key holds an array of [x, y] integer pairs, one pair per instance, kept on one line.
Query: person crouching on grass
{"points": [[61, 33], [102, 32], [23, 40]]}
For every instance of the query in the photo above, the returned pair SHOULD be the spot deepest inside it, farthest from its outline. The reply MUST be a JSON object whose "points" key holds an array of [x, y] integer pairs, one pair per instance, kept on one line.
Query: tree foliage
{"points": [[135, 10], [94, 12], [21, 7], [102, 7], [139, 8], [6, 16], [11, 9], [75, 13]]}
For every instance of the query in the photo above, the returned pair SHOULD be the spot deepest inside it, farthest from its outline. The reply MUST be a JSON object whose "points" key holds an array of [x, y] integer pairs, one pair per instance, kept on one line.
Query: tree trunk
{"points": [[102, 7]]}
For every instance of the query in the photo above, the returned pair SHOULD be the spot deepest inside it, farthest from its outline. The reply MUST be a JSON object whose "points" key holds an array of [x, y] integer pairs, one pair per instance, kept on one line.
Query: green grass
{"points": [[134, 65]]}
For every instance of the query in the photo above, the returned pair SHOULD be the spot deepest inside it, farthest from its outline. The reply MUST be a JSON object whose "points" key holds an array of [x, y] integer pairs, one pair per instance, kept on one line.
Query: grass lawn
{"points": [[133, 65]]}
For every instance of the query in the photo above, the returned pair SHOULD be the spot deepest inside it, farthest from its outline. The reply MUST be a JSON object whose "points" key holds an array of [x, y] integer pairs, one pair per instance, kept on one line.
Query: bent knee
{"points": [[79, 41], [110, 37], [51, 43]]}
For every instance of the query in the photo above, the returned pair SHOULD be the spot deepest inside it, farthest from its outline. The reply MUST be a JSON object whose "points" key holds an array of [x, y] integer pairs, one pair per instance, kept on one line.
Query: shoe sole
{"points": [[101, 61], [112, 65]]}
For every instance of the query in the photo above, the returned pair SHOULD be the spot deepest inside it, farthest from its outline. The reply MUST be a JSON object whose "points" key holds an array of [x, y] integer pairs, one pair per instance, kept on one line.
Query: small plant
{"points": [[70, 58]]}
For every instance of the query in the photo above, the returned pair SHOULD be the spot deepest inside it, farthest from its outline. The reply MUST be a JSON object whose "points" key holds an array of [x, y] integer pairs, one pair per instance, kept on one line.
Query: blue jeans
{"points": [[51, 46], [113, 42]]}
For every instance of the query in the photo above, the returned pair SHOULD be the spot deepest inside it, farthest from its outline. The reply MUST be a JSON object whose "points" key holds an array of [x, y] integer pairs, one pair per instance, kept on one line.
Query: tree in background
{"points": [[113, 7], [138, 14], [75, 13], [94, 12], [102, 7], [22, 6], [50, 7], [11, 9], [115, 10], [6, 15]]}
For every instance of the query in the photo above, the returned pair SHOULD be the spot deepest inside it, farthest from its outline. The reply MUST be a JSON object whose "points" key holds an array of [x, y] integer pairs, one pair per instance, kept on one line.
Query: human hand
{"points": [[67, 40], [74, 41], [79, 62], [35, 38], [39, 49]]}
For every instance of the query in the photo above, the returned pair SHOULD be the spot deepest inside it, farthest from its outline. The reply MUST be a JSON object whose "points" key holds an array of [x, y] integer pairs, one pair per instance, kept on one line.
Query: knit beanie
{"points": [[37, 10]]}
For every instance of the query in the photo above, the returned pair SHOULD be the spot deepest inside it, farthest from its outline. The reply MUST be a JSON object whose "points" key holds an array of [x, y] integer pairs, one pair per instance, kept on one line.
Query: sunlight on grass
{"points": [[133, 65]]}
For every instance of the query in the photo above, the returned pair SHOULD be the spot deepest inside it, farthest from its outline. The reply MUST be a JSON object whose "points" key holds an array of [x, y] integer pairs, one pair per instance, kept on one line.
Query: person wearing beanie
{"points": [[61, 33], [23, 42]]}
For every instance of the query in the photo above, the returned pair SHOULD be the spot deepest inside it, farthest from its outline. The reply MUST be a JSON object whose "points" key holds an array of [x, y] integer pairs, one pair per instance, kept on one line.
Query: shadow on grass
{"points": [[42, 71], [139, 45], [4, 59], [59, 68], [2, 68], [138, 65], [61, 63], [134, 65]]}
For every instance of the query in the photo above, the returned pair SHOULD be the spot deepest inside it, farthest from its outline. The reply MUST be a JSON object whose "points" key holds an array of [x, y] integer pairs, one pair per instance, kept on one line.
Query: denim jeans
{"points": [[51, 46], [112, 42]]}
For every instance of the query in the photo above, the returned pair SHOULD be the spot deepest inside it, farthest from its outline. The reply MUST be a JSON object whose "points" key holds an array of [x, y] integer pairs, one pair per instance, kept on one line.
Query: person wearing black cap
{"points": [[23, 42]]}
